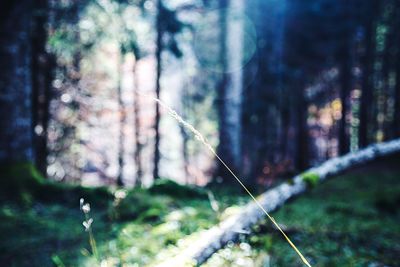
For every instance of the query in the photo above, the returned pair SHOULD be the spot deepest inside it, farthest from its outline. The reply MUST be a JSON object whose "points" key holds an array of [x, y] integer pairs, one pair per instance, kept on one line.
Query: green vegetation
{"points": [[130, 226], [350, 220], [310, 178], [23, 184]]}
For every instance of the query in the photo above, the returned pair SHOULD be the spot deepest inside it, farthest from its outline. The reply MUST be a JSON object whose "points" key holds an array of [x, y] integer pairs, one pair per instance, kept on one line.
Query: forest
{"points": [[214, 133]]}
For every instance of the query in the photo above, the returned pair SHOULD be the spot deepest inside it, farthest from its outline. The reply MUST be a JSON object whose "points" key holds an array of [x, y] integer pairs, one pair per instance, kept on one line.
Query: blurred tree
{"points": [[43, 63], [345, 51], [229, 97], [122, 117], [68, 105], [396, 117], [136, 110], [167, 25], [265, 99], [16, 140], [159, 49], [369, 21]]}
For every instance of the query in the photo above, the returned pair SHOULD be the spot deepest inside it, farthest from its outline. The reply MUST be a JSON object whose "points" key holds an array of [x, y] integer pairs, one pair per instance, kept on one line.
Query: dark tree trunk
{"points": [[16, 140], [226, 145], [285, 135], [396, 117], [138, 145], [345, 87], [302, 159], [42, 76], [388, 91], [223, 147], [159, 49], [367, 81]]}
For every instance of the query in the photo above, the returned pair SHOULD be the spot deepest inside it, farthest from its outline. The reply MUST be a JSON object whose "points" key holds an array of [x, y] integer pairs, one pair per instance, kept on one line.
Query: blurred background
{"points": [[278, 86], [275, 86]]}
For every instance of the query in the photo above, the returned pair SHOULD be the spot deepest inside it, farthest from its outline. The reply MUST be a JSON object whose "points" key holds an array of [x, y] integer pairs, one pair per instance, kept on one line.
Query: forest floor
{"points": [[351, 220]]}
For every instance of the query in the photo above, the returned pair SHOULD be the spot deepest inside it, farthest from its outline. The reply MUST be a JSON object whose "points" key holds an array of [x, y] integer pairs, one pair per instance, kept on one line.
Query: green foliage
{"points": [[159, 220], [171, 188], [354, 216], [69, 194], [310, 178], [63, 43], [139, 205], [23, 183], [343, 216], [19, 180]]}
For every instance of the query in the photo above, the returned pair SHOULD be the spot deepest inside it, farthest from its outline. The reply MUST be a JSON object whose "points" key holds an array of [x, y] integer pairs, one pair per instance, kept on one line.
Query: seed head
{"points": [[86, 208]]}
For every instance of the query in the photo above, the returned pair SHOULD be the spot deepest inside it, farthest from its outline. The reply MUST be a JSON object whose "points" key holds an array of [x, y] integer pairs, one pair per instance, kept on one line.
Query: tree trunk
{"points": [[345, 87], [228, 230], [159, 49], [122, 121], [138, 145], [367, 81], [185, 100], [396, 117], [42, 76], [302, 130], [230, 89], [16, 140]]}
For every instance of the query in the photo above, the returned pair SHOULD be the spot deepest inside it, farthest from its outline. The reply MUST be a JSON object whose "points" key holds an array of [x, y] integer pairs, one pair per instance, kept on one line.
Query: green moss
{"points": [[22, 182], [310, 178], [19, 180], [171, 188], [350, 220], [139, 204]]}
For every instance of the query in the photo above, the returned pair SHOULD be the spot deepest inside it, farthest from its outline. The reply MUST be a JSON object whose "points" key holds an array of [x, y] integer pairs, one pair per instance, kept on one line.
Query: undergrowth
{"points": [[351, 220], [41, 223]]}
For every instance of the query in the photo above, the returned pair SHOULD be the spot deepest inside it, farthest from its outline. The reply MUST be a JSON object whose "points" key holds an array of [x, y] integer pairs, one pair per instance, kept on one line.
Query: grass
{"points": [[128, 232], [350, 220]]}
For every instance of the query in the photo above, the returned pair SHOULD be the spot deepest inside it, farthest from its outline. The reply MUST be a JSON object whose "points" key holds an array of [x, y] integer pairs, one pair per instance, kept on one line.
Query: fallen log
{"points": [[229, 230]]}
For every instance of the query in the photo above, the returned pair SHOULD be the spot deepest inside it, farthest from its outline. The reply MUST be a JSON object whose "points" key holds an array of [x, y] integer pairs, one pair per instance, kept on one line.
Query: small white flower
{"points": [[81, 202], [86, 208], [120, 194], [87, 224]]}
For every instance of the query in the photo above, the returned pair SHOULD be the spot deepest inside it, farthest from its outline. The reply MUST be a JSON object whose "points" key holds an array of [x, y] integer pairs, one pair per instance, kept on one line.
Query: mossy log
{"points": [[229, 230]]}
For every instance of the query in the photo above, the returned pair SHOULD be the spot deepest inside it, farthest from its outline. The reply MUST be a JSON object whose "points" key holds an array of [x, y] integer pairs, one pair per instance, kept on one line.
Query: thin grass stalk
{"points": [[204, 141]]}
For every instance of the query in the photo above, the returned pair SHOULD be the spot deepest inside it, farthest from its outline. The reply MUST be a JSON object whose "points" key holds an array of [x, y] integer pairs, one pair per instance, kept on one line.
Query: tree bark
{"points": [[302, 160], [185, 100], [229, 230], [367, 73], [345, 87], [42, 76], [230, 89], [396, 117], [224, 141], [136, 115], [16, 139], [159, 49], [122, 121]]}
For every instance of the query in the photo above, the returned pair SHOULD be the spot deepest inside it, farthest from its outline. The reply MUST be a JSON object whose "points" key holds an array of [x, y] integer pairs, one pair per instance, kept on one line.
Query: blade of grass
{"points": [[204, 141]]}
